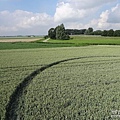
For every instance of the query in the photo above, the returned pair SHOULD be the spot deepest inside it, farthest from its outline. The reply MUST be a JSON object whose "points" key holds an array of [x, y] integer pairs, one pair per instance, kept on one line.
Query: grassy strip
{"points": [[21, 45], [90, 40]]}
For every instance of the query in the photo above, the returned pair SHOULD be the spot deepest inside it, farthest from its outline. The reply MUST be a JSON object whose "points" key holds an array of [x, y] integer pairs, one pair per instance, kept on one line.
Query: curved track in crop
{"points": [[12, 106]]}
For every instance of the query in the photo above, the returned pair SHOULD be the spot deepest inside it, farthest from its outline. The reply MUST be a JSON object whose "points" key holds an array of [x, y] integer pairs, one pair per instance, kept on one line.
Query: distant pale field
{"points": [[19, 39]]}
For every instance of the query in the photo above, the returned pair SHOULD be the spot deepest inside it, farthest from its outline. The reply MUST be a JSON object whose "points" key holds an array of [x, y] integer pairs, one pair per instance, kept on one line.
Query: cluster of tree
{"points": [[63, 34], [111, 33], [58, 33], [75, 31], [97, 32], [88, 31]]}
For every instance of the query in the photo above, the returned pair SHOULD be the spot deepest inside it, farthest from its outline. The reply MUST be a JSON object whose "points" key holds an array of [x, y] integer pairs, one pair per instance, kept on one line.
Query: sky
{"points": [[36, 17]]}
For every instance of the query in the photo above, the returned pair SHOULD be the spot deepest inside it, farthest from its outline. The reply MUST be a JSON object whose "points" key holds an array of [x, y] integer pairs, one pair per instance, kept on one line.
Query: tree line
{"points": [[111, 33], [90, 31], [63, 34]]}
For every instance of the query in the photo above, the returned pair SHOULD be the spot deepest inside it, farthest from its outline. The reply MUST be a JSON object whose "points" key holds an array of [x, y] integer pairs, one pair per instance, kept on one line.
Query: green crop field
{"points": [[68, 83], [82, 40], [75, 41]]}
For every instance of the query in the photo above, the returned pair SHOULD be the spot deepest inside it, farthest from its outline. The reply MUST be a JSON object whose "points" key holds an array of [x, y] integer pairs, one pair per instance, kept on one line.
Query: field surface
{"points": [[75, 41], [68, 83], [18, 39], [83, 40]]}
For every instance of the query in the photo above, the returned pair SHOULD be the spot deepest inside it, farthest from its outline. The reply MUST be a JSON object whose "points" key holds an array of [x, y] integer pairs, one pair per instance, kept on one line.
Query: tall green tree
{"points": [[58, 33], [104, 33], [97, 32], [51, 33], [110, 32], [117, 33], [89, 31]]}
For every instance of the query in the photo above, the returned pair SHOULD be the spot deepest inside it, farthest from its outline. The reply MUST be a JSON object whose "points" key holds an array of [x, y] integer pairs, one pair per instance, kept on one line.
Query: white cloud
{"points": [[66, 12], [110, 19], [69, 10], [114, 15], [73, 13], [102, 21], [87, 4], [20, 21], [86, 13]]}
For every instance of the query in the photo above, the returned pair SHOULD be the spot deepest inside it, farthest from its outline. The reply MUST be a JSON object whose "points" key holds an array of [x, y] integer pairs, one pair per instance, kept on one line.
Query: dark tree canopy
{"points": [[63, 34], [110, 32], [75, 31], [105, 33], [97, 32], [89, 31], [58, 33], [117, 33], [51, 33]]}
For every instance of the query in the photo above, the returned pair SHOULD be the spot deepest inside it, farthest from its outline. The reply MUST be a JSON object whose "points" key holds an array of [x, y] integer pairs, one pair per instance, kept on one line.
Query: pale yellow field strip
{"points": [[19, 40]]}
